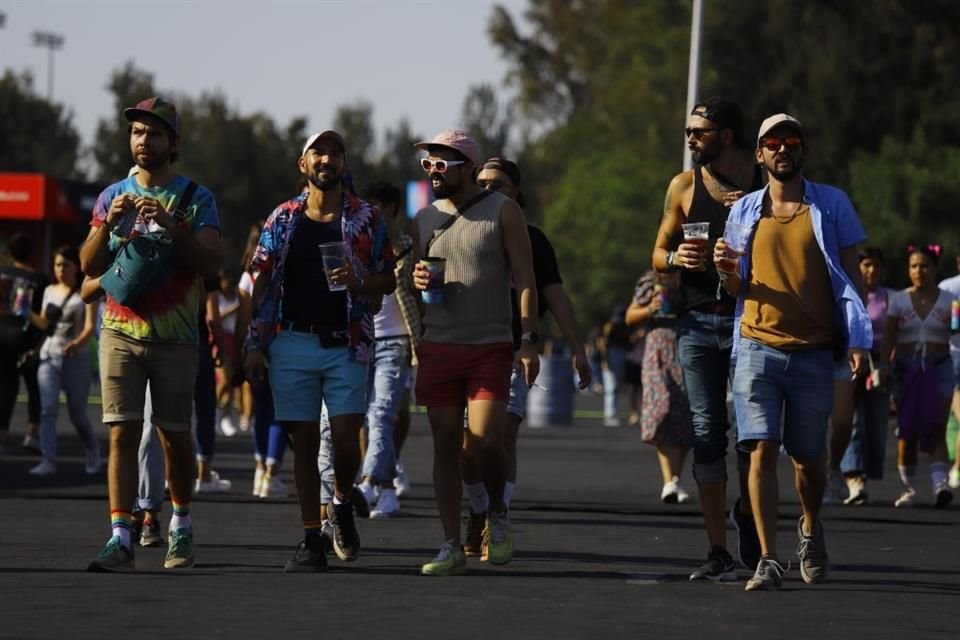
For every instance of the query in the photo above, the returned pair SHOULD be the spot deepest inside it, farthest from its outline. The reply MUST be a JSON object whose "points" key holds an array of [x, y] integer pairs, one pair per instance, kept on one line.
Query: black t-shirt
{"points": [[546, 272], [306, 297], [13, 279]]}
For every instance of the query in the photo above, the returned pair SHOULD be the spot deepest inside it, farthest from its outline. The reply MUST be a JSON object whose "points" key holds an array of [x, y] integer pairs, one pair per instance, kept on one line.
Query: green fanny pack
{"points": [[141, 261]]}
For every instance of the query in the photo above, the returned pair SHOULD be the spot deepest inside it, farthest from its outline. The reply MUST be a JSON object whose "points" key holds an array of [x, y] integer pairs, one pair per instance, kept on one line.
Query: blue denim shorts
{"points": [[303, 375], [784, 396]]}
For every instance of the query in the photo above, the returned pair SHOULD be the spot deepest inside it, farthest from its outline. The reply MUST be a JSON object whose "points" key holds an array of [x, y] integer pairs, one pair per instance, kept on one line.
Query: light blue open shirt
{"points": [[836, 227]]}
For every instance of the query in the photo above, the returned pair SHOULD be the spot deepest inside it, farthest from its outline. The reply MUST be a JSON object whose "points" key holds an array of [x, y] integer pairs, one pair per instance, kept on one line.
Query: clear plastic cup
{"points": [[333, 255], [698, 233]]}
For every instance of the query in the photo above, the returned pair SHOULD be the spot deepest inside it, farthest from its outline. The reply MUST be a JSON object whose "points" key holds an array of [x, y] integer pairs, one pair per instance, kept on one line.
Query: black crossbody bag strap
{"points": [[181, 211], [449, 221]]}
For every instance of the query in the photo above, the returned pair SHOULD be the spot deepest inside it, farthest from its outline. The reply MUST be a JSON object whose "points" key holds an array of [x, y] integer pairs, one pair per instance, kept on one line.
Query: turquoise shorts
{"points": [[304, 375]]}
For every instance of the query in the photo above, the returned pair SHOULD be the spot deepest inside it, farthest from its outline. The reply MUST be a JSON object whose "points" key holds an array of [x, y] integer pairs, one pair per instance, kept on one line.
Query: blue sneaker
{"points": [[179, 549], [113, 557]]}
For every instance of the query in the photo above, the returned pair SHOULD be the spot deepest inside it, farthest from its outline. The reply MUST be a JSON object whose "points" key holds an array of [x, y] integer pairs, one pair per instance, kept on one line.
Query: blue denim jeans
{"points": [[868, 442], [613, 375], [325, 458], [704, 343], [72, 374], [390, 371], [152, 463], [269, 437], [205, 404], [784, 396]]}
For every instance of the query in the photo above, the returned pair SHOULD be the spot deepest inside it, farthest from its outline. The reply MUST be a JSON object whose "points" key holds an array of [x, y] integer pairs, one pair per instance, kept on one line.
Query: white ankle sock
{"points": [[477, 493], [124, 534], [907, 474], [180, 522], [508, 493]]}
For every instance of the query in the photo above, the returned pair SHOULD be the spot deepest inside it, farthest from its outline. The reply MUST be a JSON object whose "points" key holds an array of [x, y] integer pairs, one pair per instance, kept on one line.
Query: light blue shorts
{"points": [[784, 396], [304, 375]]}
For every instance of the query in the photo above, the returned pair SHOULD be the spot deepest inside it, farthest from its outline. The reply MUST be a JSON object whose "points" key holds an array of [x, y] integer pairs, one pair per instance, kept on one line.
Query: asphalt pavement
{"points": [[597, 555]]}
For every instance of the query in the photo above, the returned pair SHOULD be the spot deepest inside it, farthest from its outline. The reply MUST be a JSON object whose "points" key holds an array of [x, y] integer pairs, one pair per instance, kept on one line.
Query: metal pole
{"points": [[51, 42], [693, 73], [50, 74]]}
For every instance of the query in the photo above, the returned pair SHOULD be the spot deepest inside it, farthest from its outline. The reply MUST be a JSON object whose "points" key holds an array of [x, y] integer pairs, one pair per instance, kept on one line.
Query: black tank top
{"points": [[700, 287]]}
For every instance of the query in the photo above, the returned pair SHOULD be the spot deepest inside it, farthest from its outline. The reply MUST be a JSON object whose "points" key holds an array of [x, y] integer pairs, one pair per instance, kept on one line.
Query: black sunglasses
{"points": [[699, 132]]}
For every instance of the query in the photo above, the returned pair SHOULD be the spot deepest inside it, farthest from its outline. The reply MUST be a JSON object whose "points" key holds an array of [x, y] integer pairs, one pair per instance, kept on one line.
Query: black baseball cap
{"points": [[725, 113]]}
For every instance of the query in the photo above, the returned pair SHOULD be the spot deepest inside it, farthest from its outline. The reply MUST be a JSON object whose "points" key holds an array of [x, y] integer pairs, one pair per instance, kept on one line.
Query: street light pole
{"points": [[51, 42], [693, 73]]}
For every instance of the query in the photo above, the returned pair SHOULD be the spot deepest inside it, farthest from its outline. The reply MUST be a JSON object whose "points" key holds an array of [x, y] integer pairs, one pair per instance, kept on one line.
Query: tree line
{"points": [[593, 108]]}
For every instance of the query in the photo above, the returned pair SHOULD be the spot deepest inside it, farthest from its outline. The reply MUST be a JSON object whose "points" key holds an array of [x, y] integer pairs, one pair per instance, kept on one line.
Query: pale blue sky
{"points": [[284, 57]]}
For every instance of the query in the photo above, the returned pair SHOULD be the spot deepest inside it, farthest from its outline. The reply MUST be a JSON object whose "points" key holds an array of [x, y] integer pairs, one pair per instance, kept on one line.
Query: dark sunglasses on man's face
{"points": [[492, 185], [699, 132], [792, 143], [438, 166]]}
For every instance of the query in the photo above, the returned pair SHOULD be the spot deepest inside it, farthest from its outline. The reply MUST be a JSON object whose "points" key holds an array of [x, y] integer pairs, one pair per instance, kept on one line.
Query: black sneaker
{"points": [[359, 502], [346, 540], [748, 542], [718, 567], [309, 557]]}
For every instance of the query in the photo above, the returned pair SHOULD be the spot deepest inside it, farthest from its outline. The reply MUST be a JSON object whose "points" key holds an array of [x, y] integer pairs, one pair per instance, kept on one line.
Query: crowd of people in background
{"points": [[761, 311]]}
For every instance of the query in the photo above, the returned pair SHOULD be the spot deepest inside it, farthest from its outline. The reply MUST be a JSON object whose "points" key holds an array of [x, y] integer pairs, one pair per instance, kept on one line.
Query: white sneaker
{"points": [[906, 499], [272, 487], [244, 423], [387, 505], [369, 492], [93, 462], [954, 478], [215, 485], [612, 422], [673, 493], [400, 482], [682, 496], [45, 468], [257, 481], [228, 426]]}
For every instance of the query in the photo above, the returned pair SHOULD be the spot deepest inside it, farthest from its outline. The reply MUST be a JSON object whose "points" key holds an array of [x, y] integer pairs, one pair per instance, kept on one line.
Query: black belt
{"points": [[723, 308], [329, 336]]}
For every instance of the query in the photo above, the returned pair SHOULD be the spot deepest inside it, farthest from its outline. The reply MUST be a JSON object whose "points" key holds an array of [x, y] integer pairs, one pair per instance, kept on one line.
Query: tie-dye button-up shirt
{"points": [[167, 311], [368, 249]]}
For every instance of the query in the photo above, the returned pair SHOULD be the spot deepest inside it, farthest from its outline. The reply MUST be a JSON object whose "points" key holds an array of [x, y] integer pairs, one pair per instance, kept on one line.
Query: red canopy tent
{"points": [[49, 210]]}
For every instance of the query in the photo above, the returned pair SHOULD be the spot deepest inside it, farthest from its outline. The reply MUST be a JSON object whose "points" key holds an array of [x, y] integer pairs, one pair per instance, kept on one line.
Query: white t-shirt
{"points": [[933, 329], [388, 323], [229, 323]]}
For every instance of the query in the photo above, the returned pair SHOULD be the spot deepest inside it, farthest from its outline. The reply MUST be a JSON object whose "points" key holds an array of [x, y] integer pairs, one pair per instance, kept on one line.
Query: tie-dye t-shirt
{"points": [[167, 311]]}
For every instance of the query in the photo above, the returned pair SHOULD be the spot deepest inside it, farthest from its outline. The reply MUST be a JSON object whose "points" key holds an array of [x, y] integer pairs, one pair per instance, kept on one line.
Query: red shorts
{"points": [[450, 375]]}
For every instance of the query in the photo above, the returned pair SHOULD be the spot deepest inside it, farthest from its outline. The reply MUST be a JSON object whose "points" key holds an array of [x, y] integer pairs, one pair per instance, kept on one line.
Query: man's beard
{"points": [[706, 156], [325, 183], [155, 161], [444, 189], [783, 175]]}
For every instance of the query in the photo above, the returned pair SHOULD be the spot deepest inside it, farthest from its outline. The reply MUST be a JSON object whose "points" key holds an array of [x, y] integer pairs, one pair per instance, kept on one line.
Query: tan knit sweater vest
{"points": [[476, 307]]}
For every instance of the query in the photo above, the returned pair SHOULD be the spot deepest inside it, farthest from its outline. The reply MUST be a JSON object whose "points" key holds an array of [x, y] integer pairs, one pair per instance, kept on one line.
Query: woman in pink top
{"points": [[918, 325]]}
